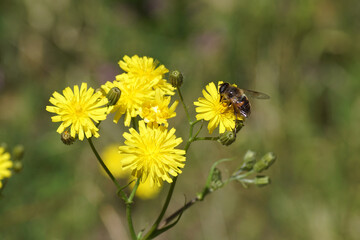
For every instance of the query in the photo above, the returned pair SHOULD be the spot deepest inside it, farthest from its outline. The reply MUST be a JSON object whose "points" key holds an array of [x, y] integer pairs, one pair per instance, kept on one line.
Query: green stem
{"points": [[179, 211], [206, 138], [201, 196], [162, 213], [198, 131], [128, 210], [129, 200], [183, 103], [238, 177], [103, 164], [195, 122], [191, 138]]}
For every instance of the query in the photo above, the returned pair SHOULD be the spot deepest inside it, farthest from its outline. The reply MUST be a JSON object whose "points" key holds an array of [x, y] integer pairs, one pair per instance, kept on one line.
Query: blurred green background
{"points": [[304, 54]]}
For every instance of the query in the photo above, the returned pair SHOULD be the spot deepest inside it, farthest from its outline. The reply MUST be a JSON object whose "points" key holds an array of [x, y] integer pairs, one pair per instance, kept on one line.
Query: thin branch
{"points": [[178, 212], [103, 164], [128, 210], [183, 103]]}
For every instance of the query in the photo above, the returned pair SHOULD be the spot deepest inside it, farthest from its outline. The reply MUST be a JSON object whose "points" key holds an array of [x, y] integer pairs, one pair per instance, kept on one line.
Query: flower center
{"points": [[155, 109], [222, 108], [79, 111], [151, 152]]}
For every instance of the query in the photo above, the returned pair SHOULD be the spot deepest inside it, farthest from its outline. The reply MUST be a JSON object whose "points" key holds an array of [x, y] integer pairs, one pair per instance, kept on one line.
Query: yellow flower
{"points": [[5, 165], [146, 190], [79, 109], [211, 109], [165, 87], [150, 153], [157, 111], [112, 160], [148, 70], [134, 93]]}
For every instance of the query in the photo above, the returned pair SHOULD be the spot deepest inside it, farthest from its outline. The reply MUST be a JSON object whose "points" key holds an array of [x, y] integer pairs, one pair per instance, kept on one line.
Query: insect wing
{"points": [[255, 94]]}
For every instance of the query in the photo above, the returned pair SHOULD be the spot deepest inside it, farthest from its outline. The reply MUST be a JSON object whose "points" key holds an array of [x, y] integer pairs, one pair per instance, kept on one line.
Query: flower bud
{"points": [[227, 138], [66, 138], [238, 125], [216, 179], [176, 78], [17, 166], [18, 152], [265, 162], [262, 181], [249, 161], [113, 96]]}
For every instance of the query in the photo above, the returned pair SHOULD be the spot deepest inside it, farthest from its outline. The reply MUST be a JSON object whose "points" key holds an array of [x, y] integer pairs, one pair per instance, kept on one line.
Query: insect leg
{"points": [[235, 113]]}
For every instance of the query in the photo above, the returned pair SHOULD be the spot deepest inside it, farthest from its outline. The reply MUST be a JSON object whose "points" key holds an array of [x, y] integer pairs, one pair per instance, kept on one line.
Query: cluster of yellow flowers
{"points": [[144, 91], [149, 152]]}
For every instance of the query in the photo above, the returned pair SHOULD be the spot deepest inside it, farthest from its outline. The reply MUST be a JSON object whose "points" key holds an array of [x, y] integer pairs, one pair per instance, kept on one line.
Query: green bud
{"points": [[265, 162], [227, 138], [176, 78], [216, 179], [269, 158], [17, 166], [18, 152], [249, 161], [250, 156], [238, 125], [262, 181], [113, 96], [66, 138]]}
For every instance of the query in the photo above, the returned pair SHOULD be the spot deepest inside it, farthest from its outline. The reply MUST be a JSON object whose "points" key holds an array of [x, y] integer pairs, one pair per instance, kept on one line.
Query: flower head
{"points": [[5, 165], [157, 111], [150, 153], [134, 93], [211, 109], [78, 109], [148, 70]]}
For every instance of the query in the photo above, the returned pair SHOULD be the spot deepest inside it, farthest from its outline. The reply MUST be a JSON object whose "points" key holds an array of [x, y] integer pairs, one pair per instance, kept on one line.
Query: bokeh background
{"points": [[304, 54]]}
